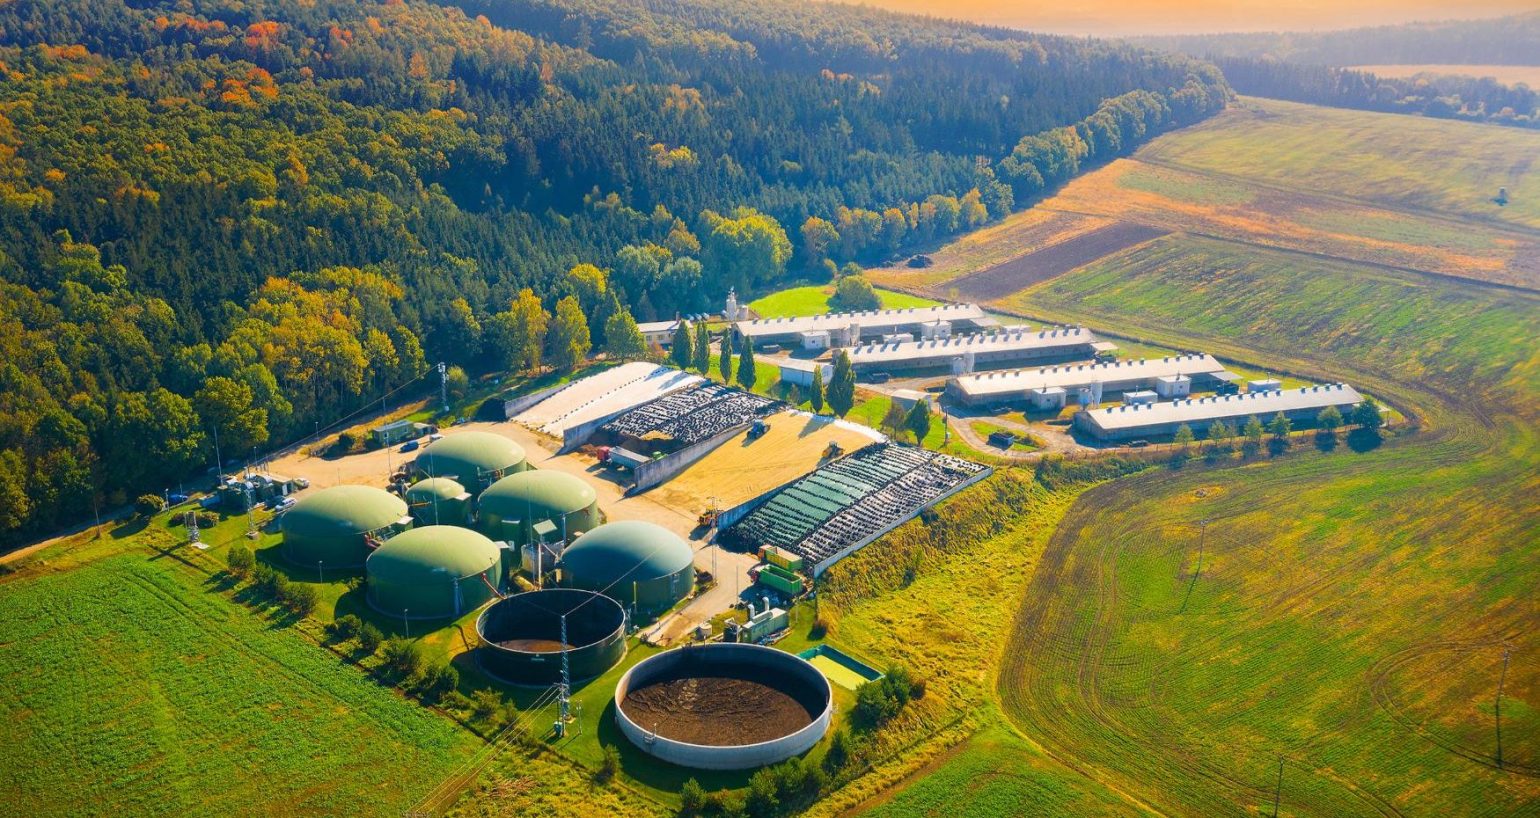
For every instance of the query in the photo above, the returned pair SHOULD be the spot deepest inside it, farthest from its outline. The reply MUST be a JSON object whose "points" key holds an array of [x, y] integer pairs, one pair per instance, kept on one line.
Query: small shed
{"points": [[1264, 385], [1045, 398], [399, 431], [1173, 386], [814, 339], [1140, 397]]}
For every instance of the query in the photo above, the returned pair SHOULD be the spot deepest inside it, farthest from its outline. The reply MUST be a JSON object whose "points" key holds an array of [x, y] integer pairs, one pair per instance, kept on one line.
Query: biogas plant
{"points": [[528, 548]]}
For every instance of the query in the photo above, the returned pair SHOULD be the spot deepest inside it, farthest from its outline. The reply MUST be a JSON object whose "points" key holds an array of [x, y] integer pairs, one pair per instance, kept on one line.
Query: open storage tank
{"points": [[724, 706], [521, 636]]}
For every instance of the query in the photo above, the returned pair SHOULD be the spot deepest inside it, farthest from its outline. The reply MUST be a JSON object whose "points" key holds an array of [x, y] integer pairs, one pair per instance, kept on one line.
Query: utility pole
{"points": [[219, 462], [1498, 706]]}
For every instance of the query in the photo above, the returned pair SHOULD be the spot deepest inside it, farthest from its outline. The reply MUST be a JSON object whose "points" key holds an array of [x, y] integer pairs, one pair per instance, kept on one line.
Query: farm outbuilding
{"points": [[851, 328], [438, 501], [1158, 419], [433, 572], [1111, 378], [475, 460], [636, 563], [334, 527], [513, 506], [1011, 346]]}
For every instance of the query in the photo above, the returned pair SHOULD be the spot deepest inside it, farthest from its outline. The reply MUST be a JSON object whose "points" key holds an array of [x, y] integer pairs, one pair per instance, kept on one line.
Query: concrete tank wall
{"points": [[596, 627], [742, 757]]}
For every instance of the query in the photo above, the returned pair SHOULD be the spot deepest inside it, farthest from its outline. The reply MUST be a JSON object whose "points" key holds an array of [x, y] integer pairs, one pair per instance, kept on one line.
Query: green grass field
{"points": [[132, 687], [1440, 165], [1350, 613], [814, 300]]}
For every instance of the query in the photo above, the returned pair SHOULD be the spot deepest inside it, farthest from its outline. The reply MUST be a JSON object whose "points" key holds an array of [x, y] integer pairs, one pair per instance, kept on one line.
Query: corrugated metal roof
{"points": [[1010, 340], [869, 318], [1200, 410], [1075, 375]]}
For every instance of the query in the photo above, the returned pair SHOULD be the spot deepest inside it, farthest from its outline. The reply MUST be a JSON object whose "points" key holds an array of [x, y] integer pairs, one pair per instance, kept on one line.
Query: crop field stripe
{"points": [[1054, 260]]}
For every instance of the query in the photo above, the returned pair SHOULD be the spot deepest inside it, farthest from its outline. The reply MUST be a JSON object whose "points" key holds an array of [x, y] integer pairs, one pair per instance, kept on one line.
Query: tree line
{"points": [[1443, 96], [1512, 40], [224, 224]]}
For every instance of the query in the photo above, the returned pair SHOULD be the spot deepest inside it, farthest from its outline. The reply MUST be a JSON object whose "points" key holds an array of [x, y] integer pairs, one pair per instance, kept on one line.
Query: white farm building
{"points": [[1170, 375], [1131, 421], [1012, 346], [850, 328]]}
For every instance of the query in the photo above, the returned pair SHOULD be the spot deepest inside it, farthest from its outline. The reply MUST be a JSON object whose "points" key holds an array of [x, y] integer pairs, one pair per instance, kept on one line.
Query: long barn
{"points": [[1019, 386], [1128, 422]]}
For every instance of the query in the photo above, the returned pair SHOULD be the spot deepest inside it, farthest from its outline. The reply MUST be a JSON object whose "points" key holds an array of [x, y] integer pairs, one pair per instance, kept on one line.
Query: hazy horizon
{"points": [[1126, 18]]}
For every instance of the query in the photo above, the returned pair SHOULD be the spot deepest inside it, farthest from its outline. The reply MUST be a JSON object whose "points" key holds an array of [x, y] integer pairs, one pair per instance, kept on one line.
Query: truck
{"points": [[617, 457]]}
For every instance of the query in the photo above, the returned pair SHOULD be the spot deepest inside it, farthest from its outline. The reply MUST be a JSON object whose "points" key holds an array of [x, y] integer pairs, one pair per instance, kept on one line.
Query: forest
{"points": [[1513, 40], [1443, 96], [239, 219]]}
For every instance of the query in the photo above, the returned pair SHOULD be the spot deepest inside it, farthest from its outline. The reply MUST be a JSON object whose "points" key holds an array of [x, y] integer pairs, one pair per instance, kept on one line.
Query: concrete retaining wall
{"points": [[656, 472], [574, 436], [517, 405], [741, 757]]}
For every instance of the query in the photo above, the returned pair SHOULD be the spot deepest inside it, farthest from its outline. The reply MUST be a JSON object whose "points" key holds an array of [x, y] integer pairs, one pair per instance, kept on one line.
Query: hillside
{"points": [[248, 219], [1513, 40], [1333, 637]]}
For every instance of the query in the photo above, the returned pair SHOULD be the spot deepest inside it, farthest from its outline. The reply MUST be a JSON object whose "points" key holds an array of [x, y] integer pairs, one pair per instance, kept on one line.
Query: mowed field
{"points": [[1399, 191], [129, 686], [1505, 74]]}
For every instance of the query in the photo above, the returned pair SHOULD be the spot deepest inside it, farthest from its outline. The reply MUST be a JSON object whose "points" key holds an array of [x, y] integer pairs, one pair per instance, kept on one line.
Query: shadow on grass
{"points": [[128, 528], [1364, 440]]}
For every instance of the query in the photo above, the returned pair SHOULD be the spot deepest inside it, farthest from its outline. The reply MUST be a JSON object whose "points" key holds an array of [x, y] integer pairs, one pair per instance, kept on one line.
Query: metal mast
{"points": [[566, 683], [443, 385]]}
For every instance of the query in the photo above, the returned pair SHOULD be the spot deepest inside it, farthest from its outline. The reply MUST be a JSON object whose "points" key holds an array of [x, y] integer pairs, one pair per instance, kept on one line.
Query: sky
{"points": [[1131, 17]]}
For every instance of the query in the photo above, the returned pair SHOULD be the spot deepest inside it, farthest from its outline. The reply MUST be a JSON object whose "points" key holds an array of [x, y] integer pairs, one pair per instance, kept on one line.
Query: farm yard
{"points": [[744, 468]]}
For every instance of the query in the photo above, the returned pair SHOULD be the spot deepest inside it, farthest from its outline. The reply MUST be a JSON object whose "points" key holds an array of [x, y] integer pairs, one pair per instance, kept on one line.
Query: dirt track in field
{"points": [[1054, 260]]}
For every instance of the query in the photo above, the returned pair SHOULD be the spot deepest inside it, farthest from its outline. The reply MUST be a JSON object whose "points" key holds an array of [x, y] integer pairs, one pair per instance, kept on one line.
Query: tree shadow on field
{"points": [[1364, 440], [129, 528], [1326, 442]]}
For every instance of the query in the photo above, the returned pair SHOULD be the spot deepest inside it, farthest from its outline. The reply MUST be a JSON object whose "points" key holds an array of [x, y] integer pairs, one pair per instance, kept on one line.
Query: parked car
{"points": [[177, 499], [435, 436], [411, 446]]}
